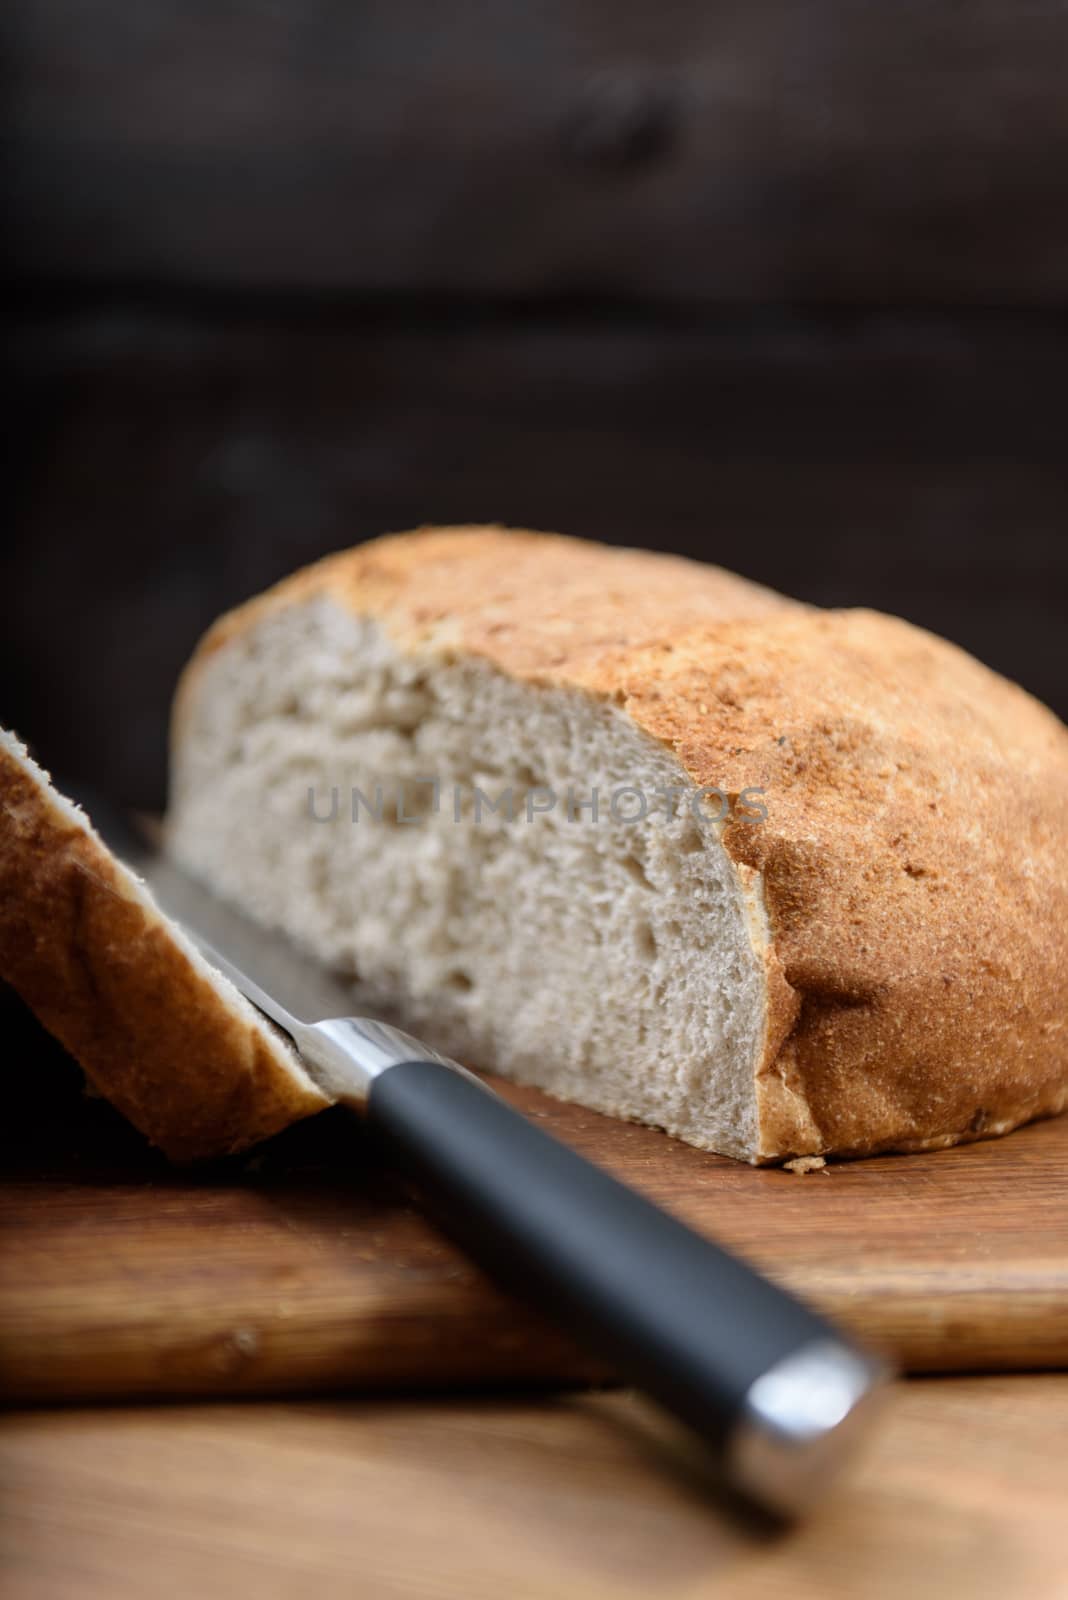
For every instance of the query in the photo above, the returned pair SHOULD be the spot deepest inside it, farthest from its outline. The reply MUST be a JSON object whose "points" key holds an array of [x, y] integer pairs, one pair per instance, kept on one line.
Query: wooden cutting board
{"points": [[301, 1267]]}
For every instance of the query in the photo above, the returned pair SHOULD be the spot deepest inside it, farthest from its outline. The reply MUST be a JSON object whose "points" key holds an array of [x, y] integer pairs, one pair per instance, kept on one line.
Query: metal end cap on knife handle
{"points": [[802, 1422]]}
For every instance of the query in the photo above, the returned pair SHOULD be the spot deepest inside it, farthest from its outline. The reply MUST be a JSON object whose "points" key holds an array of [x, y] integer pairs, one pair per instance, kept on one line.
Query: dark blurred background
{"points": [[779, 286]]}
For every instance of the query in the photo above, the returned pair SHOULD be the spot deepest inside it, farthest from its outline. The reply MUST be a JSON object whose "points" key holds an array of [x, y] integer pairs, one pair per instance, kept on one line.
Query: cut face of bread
{"points": [[359, 798], [158, 1031]]}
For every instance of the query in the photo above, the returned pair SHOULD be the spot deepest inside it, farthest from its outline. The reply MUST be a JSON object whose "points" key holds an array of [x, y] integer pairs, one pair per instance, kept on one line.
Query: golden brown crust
{"points": [[546, 607], [913, 861], [102, 969]]}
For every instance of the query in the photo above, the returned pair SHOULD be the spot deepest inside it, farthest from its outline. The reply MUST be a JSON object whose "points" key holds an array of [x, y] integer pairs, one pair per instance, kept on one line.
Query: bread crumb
{"points": [[803, 1164]]}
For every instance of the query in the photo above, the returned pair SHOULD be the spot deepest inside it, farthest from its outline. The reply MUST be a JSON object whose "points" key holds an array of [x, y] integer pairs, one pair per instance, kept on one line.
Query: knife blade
{"points": [[780, 1396]]}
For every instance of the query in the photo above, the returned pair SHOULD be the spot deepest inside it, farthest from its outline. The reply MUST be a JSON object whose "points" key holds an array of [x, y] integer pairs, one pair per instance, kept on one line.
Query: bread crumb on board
{"points": [[803, 1164]]}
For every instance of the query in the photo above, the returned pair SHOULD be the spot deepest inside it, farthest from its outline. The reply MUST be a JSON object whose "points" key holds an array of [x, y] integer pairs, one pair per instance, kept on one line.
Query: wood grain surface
{"points": [[960, 1497], [302, 1268]]}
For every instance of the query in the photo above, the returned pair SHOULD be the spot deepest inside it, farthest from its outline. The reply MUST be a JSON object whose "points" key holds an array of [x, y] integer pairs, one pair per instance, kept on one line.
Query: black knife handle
{"points": [[770, 1385]]}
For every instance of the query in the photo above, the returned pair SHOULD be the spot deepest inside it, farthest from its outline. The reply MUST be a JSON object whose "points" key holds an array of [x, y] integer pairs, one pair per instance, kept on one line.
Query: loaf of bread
{"points": [[161, 1034], [781, 881]]}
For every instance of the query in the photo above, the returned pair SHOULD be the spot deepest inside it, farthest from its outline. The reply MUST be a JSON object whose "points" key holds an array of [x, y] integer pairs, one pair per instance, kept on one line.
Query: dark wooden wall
{"points": [[752, 150], [172, 464], [783, 287]]}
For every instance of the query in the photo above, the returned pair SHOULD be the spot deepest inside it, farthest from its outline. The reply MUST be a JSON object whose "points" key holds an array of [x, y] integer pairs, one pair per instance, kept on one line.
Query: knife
{"points": [[778, 1394]]}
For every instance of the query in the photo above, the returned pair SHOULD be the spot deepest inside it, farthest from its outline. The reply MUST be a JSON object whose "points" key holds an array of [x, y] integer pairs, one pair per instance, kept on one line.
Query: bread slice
{"points": [[870, 954], [160, 1033]]}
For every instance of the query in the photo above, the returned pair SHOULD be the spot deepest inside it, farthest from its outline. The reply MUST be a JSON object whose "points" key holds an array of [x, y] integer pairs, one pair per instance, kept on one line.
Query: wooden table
{"points": [[525, 1493], [963, 1493]]}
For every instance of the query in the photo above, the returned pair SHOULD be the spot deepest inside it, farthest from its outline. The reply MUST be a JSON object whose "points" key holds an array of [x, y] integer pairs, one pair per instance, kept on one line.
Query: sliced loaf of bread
{"points": [[782, 881]]}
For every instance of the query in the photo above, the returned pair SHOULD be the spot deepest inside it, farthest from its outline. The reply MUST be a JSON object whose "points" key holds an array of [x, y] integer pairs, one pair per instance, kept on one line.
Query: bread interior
{"points": [[611, 961]]}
